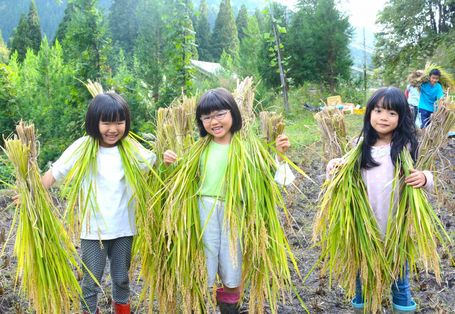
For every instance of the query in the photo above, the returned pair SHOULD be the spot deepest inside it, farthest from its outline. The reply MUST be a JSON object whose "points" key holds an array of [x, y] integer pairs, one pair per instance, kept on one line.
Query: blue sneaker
{"points": [[356, 305], [405, 308]]}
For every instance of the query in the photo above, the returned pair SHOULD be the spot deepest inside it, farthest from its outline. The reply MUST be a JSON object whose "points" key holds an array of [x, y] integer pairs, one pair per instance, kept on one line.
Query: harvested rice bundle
{"points": [[446, 79], [435, 135], [45, 254], [414, 229], [333, 132], [175, 126], [347, 231], [272, 125]]}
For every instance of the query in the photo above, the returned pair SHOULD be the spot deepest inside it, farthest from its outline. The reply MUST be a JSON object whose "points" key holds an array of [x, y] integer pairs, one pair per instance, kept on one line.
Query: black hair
{"points": [[107, 107], [214, 100], [435, 72], [390, 98]]}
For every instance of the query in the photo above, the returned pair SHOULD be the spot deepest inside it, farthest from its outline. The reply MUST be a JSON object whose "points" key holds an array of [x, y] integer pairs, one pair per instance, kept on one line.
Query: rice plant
{"points": [[46, 258]]}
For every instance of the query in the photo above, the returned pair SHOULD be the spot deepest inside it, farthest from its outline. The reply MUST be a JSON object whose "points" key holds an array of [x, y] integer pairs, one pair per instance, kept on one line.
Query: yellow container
{"points": [[334, 100], [359, 111]]}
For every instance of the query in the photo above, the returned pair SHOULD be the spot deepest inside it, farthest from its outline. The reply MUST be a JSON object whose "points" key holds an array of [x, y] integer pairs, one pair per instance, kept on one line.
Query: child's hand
{"points": [[416, 179], [16, 200], [282, 144], [169, 157]]}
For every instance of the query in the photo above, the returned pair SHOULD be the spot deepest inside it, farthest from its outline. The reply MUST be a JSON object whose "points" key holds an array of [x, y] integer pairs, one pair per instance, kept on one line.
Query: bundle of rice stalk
{"points": [[414, 229], [446, 79], [175, 126], [333, 132], [252, 206], [347, 231], [435, 135], [181, 279], [272, 125], [45, 254], [244, 96]]}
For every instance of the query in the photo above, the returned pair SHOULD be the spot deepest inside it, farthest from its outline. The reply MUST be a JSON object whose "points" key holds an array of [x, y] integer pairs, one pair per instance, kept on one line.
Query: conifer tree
{"points": [[242, 22], [250, 49], [225, 36], [84, 43], [123, 25], [149, 44], [27, 34], [203, 33]]}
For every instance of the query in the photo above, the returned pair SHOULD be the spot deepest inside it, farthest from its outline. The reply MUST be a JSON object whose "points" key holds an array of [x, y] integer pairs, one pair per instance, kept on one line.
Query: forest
{"points": [[143, 49]]}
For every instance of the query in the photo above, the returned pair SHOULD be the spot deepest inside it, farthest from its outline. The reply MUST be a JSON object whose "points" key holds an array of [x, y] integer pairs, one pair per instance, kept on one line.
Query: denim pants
{"points": [[216, 236], [424, 117], [401, 290]]}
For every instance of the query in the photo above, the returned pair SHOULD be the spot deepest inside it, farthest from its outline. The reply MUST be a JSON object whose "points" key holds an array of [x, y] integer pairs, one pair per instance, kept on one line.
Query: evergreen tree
{"points": [[34, 27], [84, 44], [225, 36], [123, 25], [242, 22], [20, 41], [62, 27], [181, 49], [4, 51], [318, 43], [250, 49], [150, 44], [203, 33], [27, 35]]}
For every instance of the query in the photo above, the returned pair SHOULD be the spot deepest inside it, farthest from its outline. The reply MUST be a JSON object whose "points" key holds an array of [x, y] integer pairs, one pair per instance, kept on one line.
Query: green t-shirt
{"points": [[213, 165]]}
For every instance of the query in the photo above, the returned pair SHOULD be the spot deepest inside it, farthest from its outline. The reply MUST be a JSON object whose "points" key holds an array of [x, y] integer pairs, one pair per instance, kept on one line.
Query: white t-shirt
{"points": [[114, 216]]}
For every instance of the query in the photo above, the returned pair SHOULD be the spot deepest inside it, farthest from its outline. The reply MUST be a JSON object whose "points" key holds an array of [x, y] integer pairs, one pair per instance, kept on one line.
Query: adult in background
{"points": [[430, 92]]}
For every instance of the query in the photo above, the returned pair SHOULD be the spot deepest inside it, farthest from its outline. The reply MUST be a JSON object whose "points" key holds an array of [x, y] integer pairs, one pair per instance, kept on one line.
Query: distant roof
{"points": [[210, 68]]}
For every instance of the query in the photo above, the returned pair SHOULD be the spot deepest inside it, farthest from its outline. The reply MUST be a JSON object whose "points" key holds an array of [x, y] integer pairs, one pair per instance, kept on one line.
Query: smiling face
{"points": [[111, 132], [434, 79], [218, 124], [384, 121]]}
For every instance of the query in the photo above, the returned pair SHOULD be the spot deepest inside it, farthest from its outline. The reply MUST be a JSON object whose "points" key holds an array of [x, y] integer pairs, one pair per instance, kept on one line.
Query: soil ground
{"points": [[430, 296]]}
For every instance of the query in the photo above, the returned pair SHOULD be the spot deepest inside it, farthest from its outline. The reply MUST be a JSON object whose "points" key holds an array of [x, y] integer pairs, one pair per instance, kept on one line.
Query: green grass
{"points": [[303, 131]]}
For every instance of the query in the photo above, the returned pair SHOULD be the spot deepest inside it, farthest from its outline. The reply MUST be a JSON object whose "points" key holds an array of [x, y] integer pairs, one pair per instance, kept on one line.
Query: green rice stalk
{"points": [[181, 281], [435, 135], [45, 254], [414, 230], [333, 132], [347, 231]]}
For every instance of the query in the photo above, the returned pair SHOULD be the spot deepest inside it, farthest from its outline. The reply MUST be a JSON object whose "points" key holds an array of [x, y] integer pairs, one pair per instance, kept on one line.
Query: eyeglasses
{"points": [[217, 116]]}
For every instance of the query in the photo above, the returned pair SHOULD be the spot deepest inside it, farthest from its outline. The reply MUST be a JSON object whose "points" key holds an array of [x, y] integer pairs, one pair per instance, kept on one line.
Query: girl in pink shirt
{"points": [[388, 128]]}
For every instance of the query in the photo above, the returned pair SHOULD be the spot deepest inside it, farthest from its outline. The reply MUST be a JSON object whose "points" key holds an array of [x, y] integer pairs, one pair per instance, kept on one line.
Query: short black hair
{"points": [[435, 72], [214, 100], [106, 107]]}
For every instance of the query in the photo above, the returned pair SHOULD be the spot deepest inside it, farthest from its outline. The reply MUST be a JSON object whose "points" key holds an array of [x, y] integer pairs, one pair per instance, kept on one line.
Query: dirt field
{"points": [[319, 298]]}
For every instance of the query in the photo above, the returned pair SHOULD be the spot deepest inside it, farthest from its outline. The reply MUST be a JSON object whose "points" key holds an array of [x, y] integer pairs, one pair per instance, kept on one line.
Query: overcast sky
{"points": [[362, 13]]}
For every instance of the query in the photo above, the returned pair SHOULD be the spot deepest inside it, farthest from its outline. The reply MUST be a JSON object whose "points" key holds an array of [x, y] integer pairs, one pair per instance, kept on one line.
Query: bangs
{"points": [[211, 102], [390, 101], [113, 112]]}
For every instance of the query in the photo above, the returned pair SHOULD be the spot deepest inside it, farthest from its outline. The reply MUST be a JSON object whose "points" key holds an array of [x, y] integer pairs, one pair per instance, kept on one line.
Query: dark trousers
{"points": [[94, 254]]}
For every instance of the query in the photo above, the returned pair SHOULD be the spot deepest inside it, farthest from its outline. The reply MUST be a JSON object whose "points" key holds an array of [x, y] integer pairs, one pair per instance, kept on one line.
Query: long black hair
{"points": [[390, 98]]}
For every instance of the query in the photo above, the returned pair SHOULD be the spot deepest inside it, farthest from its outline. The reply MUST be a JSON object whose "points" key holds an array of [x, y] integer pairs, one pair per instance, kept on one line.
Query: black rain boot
{"points": [[229, 308]]}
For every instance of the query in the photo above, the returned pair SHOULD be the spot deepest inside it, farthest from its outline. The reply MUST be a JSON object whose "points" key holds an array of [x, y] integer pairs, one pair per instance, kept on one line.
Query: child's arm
{"points": [[418, 179], [283, 175], [48, 179], [169, 157]]}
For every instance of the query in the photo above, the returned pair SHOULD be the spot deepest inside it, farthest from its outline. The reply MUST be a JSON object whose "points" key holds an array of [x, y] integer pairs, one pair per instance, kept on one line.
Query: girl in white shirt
{"points": [[108, 222]]}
